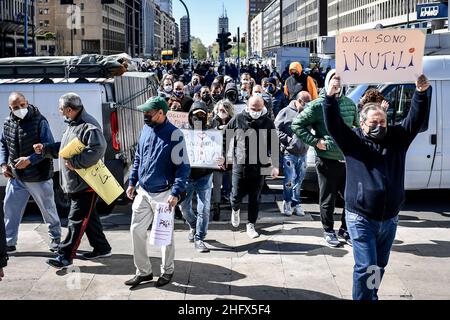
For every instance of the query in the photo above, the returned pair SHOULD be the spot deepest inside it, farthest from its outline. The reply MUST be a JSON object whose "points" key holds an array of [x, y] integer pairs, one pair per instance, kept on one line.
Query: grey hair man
{"points": [[82, 216], [375, 157]]}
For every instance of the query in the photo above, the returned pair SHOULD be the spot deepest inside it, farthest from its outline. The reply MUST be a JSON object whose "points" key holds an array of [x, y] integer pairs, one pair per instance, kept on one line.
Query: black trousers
{"points": [[247, 180], [331, 176], [83, 218]]}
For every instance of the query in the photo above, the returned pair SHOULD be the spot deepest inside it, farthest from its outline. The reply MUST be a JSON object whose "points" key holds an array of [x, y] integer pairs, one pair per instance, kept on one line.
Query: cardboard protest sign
{"points": [[98, 177], [162, 227], [203, 147], [380, 56], [178, 119]]}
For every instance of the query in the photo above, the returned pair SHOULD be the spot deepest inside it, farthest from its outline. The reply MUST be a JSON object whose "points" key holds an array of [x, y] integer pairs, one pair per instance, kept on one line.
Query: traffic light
{"points": [[223, 39], [227, 39]]}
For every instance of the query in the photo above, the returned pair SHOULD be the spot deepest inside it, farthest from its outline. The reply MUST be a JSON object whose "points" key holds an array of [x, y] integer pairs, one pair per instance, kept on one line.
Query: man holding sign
{"points": [[82, 216], [159, 178], [375, 157]]}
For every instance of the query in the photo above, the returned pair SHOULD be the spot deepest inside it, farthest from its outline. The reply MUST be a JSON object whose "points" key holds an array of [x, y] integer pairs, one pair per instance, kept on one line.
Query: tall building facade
{"points": [[223, 24], [157, 35], [133, 27], [301, 22], [256, 27], [253, 8], [89, 27], [185, 35], [165, 6], [272, 37], [45, 23], [344, 15], [148, 16], [12, 27], [167, 31]]}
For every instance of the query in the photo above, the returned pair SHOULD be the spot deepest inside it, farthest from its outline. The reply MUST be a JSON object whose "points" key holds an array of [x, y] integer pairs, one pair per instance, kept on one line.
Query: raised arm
{"points": [[419, 111], [345, 138]]}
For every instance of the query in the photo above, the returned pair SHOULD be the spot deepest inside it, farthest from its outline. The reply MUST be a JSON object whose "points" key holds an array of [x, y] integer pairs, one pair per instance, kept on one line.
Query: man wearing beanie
{"points": [[330, 163]]}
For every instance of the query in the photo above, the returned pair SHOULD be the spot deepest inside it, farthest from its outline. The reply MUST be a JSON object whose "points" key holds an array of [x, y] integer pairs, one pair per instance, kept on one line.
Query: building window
{"points": [[81, 6], [43, 47]]}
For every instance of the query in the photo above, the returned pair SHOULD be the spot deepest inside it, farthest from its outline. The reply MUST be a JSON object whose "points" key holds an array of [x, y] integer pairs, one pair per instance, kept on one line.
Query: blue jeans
{"points": [[372, 243], [294, 172], [16, 198], [202, 187]]}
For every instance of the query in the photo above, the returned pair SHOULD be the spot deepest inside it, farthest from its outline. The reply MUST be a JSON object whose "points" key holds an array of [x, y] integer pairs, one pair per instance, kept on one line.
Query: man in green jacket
{"points": [[330, 163]]}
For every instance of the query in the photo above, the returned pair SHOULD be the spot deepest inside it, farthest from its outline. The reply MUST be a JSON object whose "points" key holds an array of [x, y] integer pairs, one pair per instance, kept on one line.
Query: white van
{"points": [[112, 101], [428, 158]]}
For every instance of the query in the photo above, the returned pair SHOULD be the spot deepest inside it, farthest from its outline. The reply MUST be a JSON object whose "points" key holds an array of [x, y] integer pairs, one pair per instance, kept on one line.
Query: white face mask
{"points": [[168, 88], [255, 114], [21, 113]]}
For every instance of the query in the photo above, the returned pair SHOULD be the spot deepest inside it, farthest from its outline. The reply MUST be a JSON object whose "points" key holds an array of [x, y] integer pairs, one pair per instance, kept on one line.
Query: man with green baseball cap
{"points": [[155, 110], [154, 103], [156, 177]]}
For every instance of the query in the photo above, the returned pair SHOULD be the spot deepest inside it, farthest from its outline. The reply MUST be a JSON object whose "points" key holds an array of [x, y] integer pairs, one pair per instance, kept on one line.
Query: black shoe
{"points": [[138, 279], [59, 262], [95, 255], [344, 235], [164, 279], [11, 249], [216, 213]]}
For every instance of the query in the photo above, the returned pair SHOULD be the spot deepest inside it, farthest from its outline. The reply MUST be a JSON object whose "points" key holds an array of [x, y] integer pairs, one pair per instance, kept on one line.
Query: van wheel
{"points": [[103, 208], [62, 201]]}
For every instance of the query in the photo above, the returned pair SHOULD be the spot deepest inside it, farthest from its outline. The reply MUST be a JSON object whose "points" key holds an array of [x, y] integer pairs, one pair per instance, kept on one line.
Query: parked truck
{"points": [[112, 100], [284, 56]]}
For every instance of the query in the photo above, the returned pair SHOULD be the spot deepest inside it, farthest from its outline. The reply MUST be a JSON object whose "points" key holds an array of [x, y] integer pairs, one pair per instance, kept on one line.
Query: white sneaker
{"points": [[298, 211], [235, 218], [287, 208], [251, 232]]}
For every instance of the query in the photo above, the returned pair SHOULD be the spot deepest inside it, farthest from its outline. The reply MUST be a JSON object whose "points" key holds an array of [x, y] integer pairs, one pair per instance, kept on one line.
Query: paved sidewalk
{"points": [[288, 261]]}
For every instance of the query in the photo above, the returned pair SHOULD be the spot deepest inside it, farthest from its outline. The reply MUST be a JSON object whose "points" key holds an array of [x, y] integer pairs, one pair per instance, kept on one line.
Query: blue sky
{"points": [[205, 14]]}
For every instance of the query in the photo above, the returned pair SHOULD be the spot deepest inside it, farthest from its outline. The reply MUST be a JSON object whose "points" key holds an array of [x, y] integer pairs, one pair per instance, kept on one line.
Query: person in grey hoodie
{"points": [[82, 216], [294, 154]]}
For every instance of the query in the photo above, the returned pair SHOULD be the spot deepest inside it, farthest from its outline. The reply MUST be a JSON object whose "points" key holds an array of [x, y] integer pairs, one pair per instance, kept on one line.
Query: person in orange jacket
{"points": [[299, 81]]}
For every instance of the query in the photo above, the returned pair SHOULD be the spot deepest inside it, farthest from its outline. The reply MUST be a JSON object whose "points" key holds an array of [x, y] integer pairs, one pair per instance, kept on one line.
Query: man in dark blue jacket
{"points": [[375, 157], [156, 177]]}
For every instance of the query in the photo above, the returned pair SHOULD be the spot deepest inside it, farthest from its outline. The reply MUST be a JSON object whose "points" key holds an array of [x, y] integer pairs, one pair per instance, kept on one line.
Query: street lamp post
{"points": [[189, 33]]}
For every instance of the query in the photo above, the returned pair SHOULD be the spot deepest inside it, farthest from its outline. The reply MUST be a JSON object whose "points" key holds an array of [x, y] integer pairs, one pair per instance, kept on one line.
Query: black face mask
{"points": [[377, 133], [206, 98], [148, 120], [297, 77], [195, 82], [217, 97], [196, 120]]}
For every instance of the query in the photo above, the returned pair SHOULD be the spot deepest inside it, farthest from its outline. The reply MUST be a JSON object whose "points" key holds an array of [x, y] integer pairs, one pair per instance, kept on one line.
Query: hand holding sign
{"points": [[334, 87], [422, 83]]}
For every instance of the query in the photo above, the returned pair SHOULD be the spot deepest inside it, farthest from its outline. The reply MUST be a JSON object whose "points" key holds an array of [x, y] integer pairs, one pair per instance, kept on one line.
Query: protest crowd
{"points": [[263, 122]]}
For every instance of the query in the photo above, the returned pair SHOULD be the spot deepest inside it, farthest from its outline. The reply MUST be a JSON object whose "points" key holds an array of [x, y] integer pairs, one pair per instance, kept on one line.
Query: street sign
{"points": [[431, 11]]}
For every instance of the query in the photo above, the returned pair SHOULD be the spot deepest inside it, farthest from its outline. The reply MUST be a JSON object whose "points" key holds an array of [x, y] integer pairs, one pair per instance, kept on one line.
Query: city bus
{"points": [[167, 57]]}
